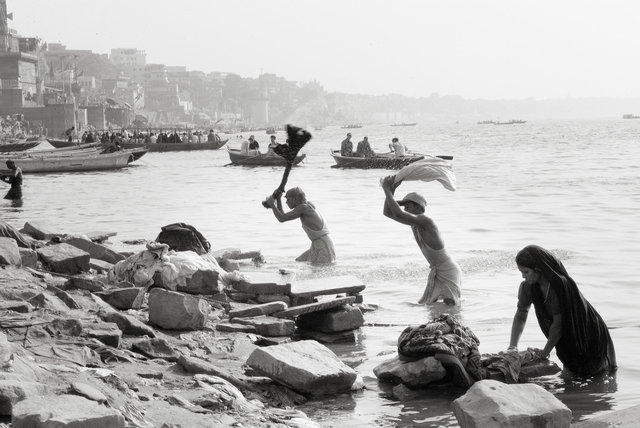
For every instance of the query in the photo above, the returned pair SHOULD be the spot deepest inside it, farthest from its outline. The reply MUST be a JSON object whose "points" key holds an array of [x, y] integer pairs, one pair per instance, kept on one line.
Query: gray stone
{"points": [[201, 282], [306, 366], [106, 332], [9, 252], [326, 286], [156, 348], [489, 403], [87, 282], [29, 257], [127, 324], [269, 326], [257, 310], [413, 374], [176, 311], [16, 306], [332, 320], [14, 390], [123, 298], [88, 391], [349, 336], [96, 251], [314, 307], [64, 411], [264, 283], [49, 302], [100, 266], [39, 230], [268, 298], [67, 326], [64, 258], [235, 328]]}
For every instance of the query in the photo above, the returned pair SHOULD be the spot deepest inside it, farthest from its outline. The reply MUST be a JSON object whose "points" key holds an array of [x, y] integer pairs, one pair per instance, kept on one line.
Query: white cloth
{"points": [[429, 169]]}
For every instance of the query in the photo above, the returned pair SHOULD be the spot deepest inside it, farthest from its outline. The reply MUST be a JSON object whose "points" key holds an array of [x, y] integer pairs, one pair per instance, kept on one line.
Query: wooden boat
{"points": [[74, 163], [59, 143], [238, 158], [404, 124], [352, 126], [173, 147], [17, 146], [270, 131], [510, 122], [380, 161]]}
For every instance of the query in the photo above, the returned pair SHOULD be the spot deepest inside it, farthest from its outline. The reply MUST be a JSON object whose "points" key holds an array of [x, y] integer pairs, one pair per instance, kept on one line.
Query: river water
{"points": [[571, 187]]}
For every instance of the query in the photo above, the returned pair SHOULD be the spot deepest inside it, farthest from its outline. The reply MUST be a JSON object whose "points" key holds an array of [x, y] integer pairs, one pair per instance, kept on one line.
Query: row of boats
{"points": [[74, 157]]}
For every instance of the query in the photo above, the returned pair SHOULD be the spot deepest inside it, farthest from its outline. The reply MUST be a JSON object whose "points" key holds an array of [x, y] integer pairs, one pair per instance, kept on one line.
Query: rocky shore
{"points": [[171, 333]]}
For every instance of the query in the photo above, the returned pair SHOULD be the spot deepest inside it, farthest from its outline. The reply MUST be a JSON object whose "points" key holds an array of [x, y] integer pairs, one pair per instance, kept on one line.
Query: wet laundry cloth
{"points": [[430, 168]]}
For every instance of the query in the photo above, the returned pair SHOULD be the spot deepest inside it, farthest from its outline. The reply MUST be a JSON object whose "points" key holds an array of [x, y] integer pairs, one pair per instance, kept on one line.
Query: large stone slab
{"points": [[413, 374], [332, 320], [29, 257], [99, 236], [64, 258], [127, 324], [349, 336], [96, 251], [176, 311], [39, 230], [489, 403], [305, 366], [265, 283], [257, 310], [14, 390], [326, 286], [64, 411], [314, 307], [106, 332], [156, 348], [203, 282], [100, 265], [9, 252], [123, 298], [269, 326], [235, 328]]}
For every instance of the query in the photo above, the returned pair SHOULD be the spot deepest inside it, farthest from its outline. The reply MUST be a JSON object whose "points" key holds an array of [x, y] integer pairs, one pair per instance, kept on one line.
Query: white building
{"points": [[132, 62]]}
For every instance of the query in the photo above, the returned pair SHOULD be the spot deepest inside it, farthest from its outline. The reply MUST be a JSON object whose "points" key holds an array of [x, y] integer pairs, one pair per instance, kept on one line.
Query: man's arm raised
{"points": [[276, 207]]}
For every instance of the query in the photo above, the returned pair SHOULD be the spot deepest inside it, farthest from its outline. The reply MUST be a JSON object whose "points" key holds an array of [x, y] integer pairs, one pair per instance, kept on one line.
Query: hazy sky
{"points": [[488, 49]]}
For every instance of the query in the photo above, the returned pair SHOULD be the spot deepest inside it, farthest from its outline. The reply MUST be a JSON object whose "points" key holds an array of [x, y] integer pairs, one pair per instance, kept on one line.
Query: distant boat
{"points": [[270, 131], [486, 122], [241, 159], [379, 161], [74, 163], [352, 126], [404, 124], [317, 128], [174, 147], [510, 122], [630, 116]]}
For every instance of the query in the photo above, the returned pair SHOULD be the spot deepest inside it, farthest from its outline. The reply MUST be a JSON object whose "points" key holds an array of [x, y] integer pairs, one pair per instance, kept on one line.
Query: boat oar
{"points": [[296, 139]]}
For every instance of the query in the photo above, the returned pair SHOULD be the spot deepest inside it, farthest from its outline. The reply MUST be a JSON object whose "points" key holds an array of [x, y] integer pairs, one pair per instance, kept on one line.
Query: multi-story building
{"points": [[131, 61]]}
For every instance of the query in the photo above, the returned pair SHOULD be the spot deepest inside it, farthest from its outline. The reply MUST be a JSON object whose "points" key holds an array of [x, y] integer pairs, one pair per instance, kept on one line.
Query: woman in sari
{"points": [[572, 326]]}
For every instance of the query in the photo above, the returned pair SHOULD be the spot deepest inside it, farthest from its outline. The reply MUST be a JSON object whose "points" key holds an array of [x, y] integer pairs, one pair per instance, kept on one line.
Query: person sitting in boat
{"points": [[253, 143], [398, 148], [364, 149], [70, 133], [14, 179], [322, 250], [152, 138], [272, 145], [89, 138], [211, 137], [115, 147], [346, 147]]}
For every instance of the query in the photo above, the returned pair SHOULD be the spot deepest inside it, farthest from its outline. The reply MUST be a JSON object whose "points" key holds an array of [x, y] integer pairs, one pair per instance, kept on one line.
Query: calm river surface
{"points": [[572, 187]]}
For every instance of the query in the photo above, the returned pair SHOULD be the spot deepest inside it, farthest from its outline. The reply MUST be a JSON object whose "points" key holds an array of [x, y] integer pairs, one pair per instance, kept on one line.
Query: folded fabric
{"points": [[430, 168]]}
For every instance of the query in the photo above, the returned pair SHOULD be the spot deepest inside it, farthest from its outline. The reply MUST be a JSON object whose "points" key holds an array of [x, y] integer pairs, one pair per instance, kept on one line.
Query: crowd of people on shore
{"points": [[147, 137]]}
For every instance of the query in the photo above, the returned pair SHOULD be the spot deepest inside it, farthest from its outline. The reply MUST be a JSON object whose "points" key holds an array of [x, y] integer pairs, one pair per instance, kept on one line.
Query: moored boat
{"points": [[379, 161], [17, 146], [510, 122], [73, 163], [404, 124], [173, 147], [352, 126], [239, 158]]}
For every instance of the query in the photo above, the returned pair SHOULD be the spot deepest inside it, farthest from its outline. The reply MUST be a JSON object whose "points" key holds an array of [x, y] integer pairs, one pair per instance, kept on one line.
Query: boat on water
{"points": [[379, 161], [352, 126], [241, 159], [270, 131], [486, 122], [17, 145], [404, 124], [510, 122], [73, 163], [630, 116], [175, 147]]}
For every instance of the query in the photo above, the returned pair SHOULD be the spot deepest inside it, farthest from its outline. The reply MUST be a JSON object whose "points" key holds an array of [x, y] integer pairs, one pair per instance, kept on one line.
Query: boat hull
{"points": [[380, 161], [176, 147], [17, 146], [237, 158], [35, 164]]}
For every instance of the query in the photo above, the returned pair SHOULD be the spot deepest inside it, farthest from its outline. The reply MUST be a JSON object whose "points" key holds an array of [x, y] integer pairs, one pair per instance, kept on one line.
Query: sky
{"points": [[476, 49]]}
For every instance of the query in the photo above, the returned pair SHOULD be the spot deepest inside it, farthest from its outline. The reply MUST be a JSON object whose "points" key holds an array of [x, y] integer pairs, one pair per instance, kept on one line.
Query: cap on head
{"points": [[414, 197], [293, 192]]}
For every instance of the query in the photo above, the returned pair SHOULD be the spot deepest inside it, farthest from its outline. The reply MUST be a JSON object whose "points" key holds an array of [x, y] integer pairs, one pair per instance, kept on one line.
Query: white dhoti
{"points": [[443, 283]]}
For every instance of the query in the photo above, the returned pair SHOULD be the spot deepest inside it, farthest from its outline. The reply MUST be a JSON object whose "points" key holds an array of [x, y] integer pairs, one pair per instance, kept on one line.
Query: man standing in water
{"points": [[14, 178], [321, 250], [445, 277]]}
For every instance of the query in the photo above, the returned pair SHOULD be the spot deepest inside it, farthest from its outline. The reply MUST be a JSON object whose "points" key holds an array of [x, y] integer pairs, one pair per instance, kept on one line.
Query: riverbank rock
{"points": [[176, 311], [269, 326], [29, 257], [413, 374], [332, 320], [96, 251], [123, 298], [39, 230], [257, 310], [127, 324], [489, 403], [9, 252], [64, 258], [306, 367], [13, 391], [64, 411]]}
